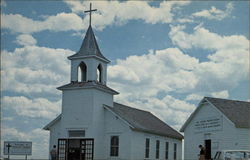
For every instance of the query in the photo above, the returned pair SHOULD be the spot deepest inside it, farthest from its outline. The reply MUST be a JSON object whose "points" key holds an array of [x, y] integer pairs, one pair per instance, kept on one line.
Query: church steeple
{"points": [[88, 64], [89, 47]]}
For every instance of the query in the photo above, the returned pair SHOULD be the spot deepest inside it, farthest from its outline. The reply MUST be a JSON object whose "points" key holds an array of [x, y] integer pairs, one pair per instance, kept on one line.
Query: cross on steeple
{"points": [[90, 10]]}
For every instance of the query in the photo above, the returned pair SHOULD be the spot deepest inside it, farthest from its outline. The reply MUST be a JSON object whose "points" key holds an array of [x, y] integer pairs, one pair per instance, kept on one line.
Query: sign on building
{"points": [[17, 148], [208, 124]]}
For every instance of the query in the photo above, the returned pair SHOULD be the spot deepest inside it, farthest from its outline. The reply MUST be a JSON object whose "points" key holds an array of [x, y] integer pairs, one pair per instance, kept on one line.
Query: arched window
{"points": [[99, 73], [82, 72], [114, 146]]}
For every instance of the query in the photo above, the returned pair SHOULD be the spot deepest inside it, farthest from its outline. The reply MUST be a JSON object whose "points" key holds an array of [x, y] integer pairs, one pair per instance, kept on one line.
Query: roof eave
{"points": [[230, 121], [126, 122], [192, 115], [76, 56], [48, 126], [88, 87], [159, 134]]}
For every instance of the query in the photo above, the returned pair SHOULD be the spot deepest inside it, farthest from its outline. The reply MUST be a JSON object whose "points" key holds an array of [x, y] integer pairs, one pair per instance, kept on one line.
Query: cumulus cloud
{"points": [[193, 97], [60, 22], [169, 109], [37, 107], [203, 38], [165, 70], [222, 65], [164, 73], [120, 12], [25, 40], [215, 13], [109, 13], [221, 94], [34, 69]]}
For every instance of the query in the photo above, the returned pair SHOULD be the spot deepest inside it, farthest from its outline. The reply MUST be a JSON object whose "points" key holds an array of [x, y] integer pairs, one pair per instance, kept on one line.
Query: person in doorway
{"points": [[202, 153], [53, 153]]}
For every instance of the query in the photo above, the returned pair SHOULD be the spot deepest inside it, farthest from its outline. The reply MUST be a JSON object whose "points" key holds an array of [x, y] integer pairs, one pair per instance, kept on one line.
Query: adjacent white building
{"points": [[217, 124], [92, 126]]}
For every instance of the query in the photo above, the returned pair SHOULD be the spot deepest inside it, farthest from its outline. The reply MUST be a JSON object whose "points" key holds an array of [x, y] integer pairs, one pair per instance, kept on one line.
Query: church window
{"points": [[157, 153], [175, 151], [99, 73], [82, 72], [77, 133], [166, 150], [147, 144], [114, 146]]}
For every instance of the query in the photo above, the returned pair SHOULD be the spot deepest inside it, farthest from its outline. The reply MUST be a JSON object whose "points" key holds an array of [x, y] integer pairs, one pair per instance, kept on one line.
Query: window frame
{"points": [[147, 147], [114, 146], [157, 149], [76, 133], [166, 150], [175, 151]]}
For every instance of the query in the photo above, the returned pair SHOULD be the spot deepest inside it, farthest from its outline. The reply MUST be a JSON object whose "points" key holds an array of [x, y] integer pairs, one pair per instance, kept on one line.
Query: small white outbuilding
{"points": [[217, 124], [92, 126]]}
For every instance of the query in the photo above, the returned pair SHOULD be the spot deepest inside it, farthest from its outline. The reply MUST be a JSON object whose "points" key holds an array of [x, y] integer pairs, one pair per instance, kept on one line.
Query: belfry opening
{"points": [[99, 73], [82, 72]]}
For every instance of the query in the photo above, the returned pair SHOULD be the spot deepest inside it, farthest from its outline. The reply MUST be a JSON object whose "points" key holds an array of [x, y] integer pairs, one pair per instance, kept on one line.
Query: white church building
{"points": [[92, 126], [217, 124]]}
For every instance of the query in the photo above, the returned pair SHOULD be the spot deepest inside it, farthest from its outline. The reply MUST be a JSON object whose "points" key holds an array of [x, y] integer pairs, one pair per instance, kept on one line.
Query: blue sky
{"points": [[166, 56]]}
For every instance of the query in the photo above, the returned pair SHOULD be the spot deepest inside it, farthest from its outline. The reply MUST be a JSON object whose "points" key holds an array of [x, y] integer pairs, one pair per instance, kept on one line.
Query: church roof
{"points": [[89, 47], [236, 111], [144, 121], [54, 121], [89, 84]]}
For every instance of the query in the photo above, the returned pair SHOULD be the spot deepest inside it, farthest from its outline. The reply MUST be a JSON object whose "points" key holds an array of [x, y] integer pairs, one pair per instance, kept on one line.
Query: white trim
{"points": [[89, 56], [89, 87], [50, 124], [192, 115]]}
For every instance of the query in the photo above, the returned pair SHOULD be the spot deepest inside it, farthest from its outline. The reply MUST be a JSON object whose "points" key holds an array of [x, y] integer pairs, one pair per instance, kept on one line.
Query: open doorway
{"points": [[75, 149], [208, 149]]}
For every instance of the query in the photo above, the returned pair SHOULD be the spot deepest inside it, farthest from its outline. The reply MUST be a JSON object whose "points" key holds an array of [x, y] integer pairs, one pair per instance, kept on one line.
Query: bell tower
{"points": [[88, 64]]}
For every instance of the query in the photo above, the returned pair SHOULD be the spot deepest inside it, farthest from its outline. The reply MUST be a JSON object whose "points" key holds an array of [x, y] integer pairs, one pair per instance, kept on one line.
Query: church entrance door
{"points": [[75, 149]]}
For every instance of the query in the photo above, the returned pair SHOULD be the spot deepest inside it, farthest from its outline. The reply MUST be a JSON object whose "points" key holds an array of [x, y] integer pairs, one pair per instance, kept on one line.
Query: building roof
{"points": [[138, 120], [144, 121], [89, 47], [236, 111], [47, 127], [89, 84]]}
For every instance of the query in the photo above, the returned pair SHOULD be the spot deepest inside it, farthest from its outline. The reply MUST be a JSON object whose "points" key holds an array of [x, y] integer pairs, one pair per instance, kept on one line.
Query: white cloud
{"points": [[109, 13], [164, 70], [185, 20], [169, 109], [37, 107], [193, 97], [34, 69], [215, 13], [221, 94], [140, 79], [230, 57], [25, 40], [203, 38], [8, 118], [60, 22]]}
